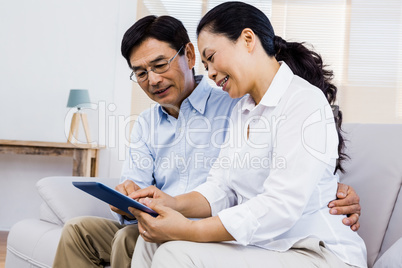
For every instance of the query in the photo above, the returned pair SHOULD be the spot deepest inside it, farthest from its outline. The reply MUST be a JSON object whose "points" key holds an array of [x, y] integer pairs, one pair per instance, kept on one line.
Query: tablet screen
{"points": [[112, 197]]}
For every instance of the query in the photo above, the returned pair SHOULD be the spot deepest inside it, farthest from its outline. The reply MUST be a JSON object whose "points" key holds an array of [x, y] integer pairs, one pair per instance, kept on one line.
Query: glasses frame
{"points": [[133, 77]]}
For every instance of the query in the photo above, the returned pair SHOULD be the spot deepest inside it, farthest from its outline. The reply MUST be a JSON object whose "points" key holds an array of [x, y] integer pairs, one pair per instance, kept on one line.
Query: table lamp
{"points": [[78, 98]]}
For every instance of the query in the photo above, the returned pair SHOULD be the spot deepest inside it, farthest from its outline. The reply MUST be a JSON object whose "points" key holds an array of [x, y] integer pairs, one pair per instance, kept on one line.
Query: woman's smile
{"points": [[223, 82]]}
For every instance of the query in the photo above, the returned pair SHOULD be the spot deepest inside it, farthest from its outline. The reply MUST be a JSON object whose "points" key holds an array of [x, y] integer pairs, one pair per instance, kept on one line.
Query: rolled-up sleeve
{"points": [[219, 195]]}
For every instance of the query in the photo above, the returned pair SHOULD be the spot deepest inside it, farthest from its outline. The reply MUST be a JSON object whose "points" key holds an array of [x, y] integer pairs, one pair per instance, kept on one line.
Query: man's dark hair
{"points": [[163, 28]]}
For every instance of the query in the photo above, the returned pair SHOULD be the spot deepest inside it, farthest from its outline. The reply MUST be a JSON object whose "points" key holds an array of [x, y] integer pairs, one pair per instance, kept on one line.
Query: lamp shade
{"points": [[79, 98]]}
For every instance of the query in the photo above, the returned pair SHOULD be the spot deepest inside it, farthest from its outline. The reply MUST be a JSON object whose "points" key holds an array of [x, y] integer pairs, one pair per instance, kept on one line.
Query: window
{"points": [[361, 40]]}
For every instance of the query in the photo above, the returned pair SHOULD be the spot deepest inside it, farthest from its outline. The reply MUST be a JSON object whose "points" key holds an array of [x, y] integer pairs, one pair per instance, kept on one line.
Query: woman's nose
{"points": [[211, 73]]}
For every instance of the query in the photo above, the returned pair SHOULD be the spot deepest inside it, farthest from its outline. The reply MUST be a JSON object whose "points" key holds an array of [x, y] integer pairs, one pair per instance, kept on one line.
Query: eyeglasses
{"points": [[159, 67]]}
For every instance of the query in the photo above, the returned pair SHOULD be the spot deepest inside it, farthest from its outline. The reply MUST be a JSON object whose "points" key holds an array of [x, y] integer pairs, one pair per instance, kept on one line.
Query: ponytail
{"points": [[308, 65]]}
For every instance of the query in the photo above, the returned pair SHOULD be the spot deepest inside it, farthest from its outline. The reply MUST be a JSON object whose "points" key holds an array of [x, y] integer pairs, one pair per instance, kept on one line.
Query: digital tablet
{"points": [[112, 196]]}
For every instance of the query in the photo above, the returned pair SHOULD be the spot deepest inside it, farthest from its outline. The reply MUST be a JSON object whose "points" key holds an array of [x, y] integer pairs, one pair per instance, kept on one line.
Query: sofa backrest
{"points": [[375, 172]]}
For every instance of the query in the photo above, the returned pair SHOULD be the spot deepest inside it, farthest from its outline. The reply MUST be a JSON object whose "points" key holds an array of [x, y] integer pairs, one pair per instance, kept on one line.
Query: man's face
{"points": [[170, 88]]}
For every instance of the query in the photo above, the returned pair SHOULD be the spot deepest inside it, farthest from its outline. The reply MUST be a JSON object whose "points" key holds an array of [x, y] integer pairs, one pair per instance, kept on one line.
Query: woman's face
{"points": [[226, 62]]}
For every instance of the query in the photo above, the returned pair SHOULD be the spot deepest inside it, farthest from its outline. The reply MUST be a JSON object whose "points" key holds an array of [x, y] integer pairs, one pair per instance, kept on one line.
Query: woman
{"points": [[268, 190]]}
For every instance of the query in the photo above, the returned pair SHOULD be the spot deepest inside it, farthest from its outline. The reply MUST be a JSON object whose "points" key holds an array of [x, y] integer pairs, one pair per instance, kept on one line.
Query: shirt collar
{"points": [[278, 86], [248, 104], [198, 98]]}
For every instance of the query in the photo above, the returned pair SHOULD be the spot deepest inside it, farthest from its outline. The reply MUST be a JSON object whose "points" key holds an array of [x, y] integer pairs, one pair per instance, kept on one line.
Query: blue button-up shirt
{"points": [[176, 155]]}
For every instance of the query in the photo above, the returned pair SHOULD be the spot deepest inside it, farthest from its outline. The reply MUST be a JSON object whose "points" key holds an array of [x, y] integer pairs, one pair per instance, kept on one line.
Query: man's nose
{"points": [[154, 78]]}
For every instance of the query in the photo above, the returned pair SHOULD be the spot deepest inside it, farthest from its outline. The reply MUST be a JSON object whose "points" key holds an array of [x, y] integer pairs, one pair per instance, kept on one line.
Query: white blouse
{"points": [[271, 187]]}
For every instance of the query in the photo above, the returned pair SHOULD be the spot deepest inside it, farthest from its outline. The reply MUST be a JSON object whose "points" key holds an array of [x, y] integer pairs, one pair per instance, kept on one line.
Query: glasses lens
{"points": [[161, 67], [133, 77], [141, 76]]}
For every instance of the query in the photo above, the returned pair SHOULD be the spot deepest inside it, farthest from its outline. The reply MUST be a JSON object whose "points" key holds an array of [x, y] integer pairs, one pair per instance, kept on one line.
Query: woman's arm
{"points": [[191, 205], [172, 225]]}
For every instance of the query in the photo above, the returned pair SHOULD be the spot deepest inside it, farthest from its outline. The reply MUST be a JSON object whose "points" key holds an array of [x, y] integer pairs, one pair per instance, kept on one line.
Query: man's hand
{"points": [[157, 195], [127, 187], [347, 203]]}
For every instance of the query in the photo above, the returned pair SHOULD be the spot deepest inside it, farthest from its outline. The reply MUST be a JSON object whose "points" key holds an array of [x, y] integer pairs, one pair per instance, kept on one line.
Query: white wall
{"points": [[47, 48]]}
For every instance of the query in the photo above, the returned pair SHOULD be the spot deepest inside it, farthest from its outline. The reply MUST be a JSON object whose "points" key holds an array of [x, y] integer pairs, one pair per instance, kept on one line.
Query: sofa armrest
{"points": [[63, 201]]}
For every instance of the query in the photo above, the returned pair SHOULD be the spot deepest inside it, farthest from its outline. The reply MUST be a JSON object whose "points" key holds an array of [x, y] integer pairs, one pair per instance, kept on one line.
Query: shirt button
{"points": [[194, 111]]}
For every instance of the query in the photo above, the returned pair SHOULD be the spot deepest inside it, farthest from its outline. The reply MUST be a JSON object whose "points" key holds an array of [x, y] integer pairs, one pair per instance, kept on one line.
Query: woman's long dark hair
{"points": [[230, 18]]}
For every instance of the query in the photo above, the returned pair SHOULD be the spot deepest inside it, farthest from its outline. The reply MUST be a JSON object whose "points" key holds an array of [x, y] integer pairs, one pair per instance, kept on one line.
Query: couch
{"points": [[33, 242], [374, 171]]}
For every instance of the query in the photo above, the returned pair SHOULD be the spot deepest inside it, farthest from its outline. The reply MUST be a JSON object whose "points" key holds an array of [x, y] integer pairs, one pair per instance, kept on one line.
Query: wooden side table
{"points": [[85, 156]]}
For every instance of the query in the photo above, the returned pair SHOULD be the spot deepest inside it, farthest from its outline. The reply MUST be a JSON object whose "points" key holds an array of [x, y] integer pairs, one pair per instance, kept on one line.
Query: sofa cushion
{"points": [[392, 258], [375, 172], [67, 201], [394, 230]]}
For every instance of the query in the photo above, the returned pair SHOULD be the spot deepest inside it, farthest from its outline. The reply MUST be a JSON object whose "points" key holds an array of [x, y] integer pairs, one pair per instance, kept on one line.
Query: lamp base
{"points": [[75, 122]]}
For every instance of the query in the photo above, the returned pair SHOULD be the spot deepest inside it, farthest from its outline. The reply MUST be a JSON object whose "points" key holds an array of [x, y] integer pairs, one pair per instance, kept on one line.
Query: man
{"points": [[173, 144]]}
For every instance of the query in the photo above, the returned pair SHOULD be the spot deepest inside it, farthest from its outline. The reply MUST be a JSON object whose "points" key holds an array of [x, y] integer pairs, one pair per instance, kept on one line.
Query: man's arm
{"points": [[347, 203]]}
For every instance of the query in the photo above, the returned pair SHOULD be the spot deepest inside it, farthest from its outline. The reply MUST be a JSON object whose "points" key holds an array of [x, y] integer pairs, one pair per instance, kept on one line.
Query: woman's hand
{"points": [[347, 203], [167, 226], [171, 225]]}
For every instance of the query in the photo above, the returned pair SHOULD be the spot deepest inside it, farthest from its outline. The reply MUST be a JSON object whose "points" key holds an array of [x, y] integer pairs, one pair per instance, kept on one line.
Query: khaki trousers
{"points": [[95, 242], [309, 252]]}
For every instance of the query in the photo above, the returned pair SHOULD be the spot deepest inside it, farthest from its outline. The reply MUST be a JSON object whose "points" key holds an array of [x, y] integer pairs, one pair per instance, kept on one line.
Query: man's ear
{"points": [[249, 39], [190, 55]]}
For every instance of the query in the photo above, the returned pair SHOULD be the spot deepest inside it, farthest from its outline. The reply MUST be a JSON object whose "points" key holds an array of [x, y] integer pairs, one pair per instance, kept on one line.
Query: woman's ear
{"points": [[249, 39], [190, 54]]}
